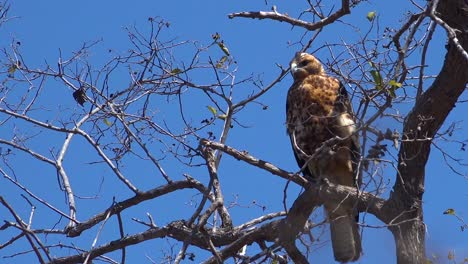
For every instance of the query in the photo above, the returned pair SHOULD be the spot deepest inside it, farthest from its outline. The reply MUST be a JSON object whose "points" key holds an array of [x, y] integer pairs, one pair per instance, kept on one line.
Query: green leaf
{"points": [[450, 211], [221, 62], [176, 71], [107, 122], [224, 48], [212, 110], [371, 15], [395, 84], [377, 78]]}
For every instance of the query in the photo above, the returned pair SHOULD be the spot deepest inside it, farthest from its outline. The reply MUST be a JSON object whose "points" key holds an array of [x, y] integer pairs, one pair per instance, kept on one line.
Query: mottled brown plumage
{"points": [[318, 109]]}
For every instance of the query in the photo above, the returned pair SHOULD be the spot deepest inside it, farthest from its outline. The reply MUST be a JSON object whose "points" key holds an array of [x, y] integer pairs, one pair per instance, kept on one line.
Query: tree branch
{"points": [[274, 15], [451, 32], [141, 197], [366, 202], [245, 156]]}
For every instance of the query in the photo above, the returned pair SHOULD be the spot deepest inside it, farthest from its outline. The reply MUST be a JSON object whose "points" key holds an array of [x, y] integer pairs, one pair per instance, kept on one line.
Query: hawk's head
{"points": [[304, 64]]}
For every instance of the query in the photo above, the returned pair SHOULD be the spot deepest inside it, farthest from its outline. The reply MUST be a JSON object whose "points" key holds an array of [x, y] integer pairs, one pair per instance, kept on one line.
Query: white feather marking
{"points": [[293, 67], [346, 125]]}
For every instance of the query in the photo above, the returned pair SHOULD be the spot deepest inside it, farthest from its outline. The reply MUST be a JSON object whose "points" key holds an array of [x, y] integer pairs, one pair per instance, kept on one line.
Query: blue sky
{"points": [[44, 27]]}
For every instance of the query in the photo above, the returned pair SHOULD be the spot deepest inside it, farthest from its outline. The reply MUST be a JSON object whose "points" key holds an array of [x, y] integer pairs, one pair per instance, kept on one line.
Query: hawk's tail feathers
{"points": [[345, 238]]}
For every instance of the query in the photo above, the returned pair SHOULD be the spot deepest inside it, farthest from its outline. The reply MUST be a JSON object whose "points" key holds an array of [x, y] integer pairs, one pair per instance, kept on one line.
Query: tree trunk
{"points": [[410, 242], [419, 129]]}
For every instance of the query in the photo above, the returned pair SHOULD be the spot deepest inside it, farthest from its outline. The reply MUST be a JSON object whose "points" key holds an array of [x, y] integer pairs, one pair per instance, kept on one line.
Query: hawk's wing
{"points": [[343, 105]]}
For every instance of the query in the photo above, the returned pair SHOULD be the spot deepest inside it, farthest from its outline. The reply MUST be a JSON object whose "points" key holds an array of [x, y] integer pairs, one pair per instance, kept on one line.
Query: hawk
{"points": [[318, 109]]}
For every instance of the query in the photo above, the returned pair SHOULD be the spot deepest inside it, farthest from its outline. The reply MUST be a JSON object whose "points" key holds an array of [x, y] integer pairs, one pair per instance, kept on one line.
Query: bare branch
{"points": [[330, 192], [245, 156], [22, 226], [139, 198], [274, 15], [451, 32]]}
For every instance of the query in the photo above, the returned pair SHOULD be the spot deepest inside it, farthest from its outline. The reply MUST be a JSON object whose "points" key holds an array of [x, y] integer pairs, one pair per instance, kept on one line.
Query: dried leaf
{"points": [[12, 69], [224, 48], [451, 255], [221, 62], [216, 36], [450, 211], [80, 96]]}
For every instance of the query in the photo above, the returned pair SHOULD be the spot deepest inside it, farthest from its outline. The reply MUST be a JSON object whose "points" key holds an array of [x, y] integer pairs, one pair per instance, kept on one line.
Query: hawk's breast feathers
{"points": [[317, 110]]}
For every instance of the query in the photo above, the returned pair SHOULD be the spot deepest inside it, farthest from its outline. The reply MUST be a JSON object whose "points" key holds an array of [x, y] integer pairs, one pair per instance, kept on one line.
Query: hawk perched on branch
{"points": [[318, 111]]}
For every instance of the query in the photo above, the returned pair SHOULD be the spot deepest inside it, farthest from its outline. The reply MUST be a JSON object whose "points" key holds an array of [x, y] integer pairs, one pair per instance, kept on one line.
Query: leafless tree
{"points": [[149, 122]]}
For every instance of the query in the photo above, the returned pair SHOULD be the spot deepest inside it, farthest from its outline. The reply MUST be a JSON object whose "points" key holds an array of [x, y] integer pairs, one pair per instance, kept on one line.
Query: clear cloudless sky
{"points": [[44, 27]]}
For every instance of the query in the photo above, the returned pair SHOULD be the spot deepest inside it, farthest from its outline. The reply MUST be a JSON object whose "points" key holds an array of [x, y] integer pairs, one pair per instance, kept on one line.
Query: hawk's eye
{"points": [[304, 63]]}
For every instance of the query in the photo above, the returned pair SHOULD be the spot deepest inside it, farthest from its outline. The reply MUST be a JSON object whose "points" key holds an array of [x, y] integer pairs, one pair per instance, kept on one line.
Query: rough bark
{"points": [[420, 127]]}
